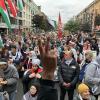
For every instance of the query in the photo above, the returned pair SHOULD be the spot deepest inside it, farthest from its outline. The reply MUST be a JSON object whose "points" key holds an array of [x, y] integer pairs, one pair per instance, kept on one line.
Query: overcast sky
{"points": [[67, 8]]}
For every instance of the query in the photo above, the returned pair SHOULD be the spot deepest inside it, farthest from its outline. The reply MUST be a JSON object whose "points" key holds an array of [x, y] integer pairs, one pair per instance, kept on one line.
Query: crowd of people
{"points": [[42, 60]]}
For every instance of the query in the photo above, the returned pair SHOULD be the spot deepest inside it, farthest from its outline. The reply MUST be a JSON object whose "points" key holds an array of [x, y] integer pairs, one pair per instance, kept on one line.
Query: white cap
{"points": [[36, 62]]}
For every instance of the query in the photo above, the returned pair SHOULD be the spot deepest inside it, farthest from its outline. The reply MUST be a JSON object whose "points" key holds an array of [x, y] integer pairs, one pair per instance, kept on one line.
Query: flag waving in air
{"points": [[12, 8], [20, 4], [15, 3], [4, 13], [59, 27]]}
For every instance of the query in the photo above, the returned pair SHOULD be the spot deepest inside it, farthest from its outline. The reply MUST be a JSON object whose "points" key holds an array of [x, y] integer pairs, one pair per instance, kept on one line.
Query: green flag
{"points": [[4, 13], [20, 4]]}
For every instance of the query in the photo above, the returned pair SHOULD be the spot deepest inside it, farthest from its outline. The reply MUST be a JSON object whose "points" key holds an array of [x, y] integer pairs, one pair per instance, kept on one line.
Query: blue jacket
{"points": [[82, 72]]}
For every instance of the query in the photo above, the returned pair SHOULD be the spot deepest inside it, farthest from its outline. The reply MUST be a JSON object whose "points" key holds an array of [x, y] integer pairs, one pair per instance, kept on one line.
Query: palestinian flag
{"points": [[12, 8], [15, 3], [4, 13], [20, 4]]}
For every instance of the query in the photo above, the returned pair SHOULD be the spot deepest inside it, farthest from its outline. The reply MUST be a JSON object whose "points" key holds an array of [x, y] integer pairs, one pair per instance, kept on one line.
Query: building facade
{"points": [[23, 21], [89, 14], [30, 9]]}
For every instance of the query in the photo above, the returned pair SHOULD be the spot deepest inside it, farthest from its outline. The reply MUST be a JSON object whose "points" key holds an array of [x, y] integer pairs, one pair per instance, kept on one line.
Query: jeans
{"points": [[12, 95], [63, 93]]}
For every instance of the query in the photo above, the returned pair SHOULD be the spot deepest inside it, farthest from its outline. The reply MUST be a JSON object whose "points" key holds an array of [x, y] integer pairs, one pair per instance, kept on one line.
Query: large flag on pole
{"points": [[20, 4], [12, 8], [53, 23], [4, 13], [15, 3], [59, 27]]}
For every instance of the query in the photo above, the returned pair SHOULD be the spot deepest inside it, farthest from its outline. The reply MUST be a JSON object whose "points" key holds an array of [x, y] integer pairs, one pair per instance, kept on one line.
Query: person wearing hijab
{"points": [[83, 93], [32, 74]]}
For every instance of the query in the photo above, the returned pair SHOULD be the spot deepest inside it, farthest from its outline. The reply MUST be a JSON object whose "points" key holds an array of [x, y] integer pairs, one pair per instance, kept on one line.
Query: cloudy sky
{"points": [[67, 8]]}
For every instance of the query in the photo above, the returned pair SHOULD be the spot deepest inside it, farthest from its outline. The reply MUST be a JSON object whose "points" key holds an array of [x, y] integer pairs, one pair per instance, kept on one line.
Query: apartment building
{"points": [[89, 13], [23, 21]]}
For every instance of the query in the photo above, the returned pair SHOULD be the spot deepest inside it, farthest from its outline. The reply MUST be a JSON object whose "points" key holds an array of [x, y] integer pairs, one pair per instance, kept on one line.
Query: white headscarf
{"points": [[36, 62]]}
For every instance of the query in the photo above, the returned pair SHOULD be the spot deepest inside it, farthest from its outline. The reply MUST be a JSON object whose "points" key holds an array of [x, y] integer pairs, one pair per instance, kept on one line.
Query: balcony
{"points": [[19, 14], [20, 22]]}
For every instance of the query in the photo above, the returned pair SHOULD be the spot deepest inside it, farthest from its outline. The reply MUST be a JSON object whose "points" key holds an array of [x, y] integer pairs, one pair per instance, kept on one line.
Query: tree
{"points": [[39, 22], [85, 27], [46, 25], [72, 26], [97, 20]]}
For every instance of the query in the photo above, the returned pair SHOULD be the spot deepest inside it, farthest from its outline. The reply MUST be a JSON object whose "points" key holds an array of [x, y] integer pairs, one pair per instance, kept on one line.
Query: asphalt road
{"points": [[20, 91]]}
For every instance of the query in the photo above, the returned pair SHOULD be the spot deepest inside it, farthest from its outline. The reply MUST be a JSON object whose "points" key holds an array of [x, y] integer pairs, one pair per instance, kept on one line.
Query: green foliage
{"points": [[72, 26], [85, 27], [41, 23], [97, 20], [37, 21]]}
